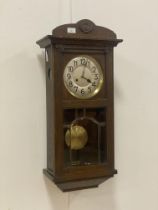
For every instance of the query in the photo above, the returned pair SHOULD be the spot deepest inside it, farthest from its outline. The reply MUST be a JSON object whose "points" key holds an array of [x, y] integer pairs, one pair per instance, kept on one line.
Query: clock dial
{"points": [[83, 77]]}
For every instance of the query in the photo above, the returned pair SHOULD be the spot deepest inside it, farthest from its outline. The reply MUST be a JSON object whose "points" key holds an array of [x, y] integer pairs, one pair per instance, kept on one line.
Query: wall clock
{"points": [[80, 106]]}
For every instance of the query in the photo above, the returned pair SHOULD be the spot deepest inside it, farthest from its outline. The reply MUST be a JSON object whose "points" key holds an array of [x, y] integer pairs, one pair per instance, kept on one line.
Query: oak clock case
{"points": [[80, 110]]}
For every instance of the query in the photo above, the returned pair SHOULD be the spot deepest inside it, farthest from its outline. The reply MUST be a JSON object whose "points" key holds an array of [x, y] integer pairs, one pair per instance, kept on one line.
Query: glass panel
{"points": [[84, 136]]}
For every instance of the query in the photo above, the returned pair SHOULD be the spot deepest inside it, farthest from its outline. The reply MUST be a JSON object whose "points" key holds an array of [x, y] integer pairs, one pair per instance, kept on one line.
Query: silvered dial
{"points": [[83, 77]]}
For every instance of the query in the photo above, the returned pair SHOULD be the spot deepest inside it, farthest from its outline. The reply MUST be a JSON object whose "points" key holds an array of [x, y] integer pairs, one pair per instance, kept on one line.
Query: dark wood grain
{"points": [[97, 42]]}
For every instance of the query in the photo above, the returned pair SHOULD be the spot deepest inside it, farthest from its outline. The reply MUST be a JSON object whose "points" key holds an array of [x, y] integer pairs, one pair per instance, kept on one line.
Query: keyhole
{"points": [[49, 74]]}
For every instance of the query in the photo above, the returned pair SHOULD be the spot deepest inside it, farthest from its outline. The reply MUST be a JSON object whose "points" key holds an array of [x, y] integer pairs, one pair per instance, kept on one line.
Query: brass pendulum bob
{"points": [[76, 137]]}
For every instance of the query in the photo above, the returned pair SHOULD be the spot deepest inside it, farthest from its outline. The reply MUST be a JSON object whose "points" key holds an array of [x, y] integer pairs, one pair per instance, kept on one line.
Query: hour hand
{"points": [[88, 80]]}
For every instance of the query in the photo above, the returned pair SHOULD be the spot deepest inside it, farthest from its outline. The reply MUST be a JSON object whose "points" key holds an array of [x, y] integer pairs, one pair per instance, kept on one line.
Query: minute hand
{"points": [[83, 72]]}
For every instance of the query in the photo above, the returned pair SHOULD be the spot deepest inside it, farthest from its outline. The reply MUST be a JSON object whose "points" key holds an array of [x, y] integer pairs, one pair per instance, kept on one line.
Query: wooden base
{"points": [[66, 186]]}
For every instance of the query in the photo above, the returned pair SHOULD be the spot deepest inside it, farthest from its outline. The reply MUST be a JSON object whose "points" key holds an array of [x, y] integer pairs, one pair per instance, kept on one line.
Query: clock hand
{"points": [[88, 80], [83, 72]]}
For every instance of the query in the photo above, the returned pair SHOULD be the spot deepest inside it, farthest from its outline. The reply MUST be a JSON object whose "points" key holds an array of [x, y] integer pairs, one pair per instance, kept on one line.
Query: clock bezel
{"points": [[100, 83]]}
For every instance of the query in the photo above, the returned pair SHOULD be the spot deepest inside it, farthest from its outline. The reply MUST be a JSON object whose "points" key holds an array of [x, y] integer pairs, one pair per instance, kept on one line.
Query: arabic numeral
{"points": [[89, 89], [76, 88], [82, 91], [70, 83], [93, 69], [93, 84], [70, 68], [88, 64], [83, 61], [96, 76], [75, 63], [69, 76]]}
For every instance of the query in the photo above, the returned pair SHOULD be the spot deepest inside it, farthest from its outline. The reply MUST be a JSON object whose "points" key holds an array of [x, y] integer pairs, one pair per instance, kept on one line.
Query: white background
{"points": [[23, 105]]}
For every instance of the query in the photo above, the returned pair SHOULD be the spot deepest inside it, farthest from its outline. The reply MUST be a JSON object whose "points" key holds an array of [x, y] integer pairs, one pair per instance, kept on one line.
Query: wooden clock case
{"points": [[96, 163]]}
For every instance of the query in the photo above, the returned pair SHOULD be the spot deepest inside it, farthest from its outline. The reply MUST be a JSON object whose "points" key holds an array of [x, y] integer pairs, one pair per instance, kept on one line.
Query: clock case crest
{"points": [[94, 163]]}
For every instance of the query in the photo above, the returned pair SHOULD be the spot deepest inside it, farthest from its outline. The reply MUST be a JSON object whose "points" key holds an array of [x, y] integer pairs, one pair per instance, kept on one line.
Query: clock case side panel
{"points": [[49, 62], [110, 110], [54, 115], [58, 114]]}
